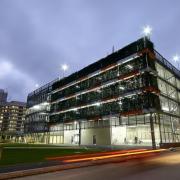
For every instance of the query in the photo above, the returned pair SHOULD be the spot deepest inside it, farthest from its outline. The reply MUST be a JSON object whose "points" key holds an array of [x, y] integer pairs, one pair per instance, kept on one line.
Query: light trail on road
{"points": [[113, 156], [94, 154]]}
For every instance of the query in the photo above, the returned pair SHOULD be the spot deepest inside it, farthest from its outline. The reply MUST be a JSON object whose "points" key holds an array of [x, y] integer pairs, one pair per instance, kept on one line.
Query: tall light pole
{"points": [[176, 59], [64, 68], [147, 32]]}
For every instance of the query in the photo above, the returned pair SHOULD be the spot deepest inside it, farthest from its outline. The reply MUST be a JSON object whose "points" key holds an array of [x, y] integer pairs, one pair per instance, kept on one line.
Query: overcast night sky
{"points": [[37, 36]]}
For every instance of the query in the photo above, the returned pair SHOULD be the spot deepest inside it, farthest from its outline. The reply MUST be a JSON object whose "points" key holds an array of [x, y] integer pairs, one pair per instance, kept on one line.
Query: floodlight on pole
{"points": [[176, 59], [147, 31], [64, 67], [36, 85]]}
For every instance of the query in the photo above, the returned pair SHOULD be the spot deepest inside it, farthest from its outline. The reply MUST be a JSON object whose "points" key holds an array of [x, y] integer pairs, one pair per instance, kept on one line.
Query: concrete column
{"points": [[160, 133], [79, 133], [152, 132]]}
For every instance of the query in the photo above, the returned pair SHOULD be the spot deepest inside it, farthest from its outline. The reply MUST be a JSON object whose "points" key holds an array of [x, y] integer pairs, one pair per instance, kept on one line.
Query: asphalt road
{"points": [[166, 167]]}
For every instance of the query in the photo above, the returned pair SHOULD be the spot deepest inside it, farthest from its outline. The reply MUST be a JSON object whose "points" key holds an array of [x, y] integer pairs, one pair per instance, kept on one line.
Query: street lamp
{"points": [[147, 31], [64, 67], [176, 59], [36, 85]]}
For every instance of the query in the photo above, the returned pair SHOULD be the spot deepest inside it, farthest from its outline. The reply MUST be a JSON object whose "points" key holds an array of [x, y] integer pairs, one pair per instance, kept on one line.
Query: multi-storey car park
{"points": [[36, 127], [130, 97]]}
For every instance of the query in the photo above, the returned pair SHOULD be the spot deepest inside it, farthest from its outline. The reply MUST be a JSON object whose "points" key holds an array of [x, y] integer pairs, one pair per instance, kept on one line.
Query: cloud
{"points": [[6, 69], [14, 80]]}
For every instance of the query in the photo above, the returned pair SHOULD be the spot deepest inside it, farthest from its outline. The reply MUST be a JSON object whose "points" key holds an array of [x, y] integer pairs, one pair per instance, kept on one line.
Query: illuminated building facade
{"points": [[3, 100], [36, 125], [12, 116], [130, 97]]}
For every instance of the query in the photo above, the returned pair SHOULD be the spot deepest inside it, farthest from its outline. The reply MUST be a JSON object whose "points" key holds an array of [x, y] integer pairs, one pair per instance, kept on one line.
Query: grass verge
{"points": [[18, 155]]}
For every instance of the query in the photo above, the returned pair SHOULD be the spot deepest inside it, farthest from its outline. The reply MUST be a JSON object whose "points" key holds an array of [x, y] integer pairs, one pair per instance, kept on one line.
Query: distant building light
{"points": [[77, 97], [98, 104], [130, 95], [121, 87], [165, 108], [120, 102], [45, 103], [36, 107], [129, 66]]}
